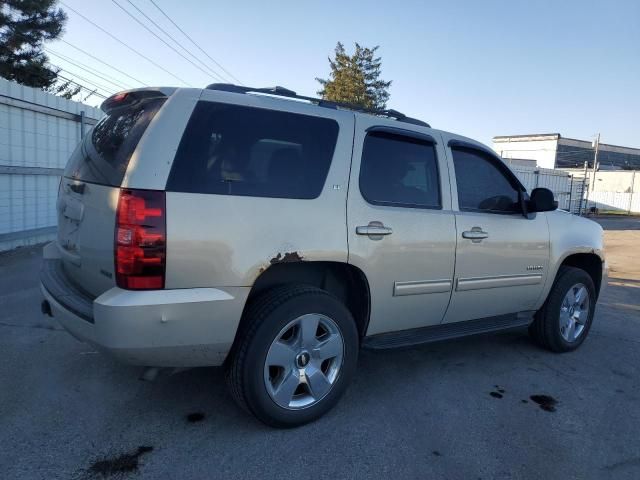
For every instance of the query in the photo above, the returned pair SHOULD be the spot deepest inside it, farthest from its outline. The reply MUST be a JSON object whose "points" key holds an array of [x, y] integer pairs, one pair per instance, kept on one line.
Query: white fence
{"points": [[567, 188], [618, 202], [38, 133], [616, 191]]}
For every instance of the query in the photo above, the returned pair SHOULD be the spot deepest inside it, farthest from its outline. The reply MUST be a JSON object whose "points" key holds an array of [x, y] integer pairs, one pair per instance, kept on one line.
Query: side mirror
{"points": [[541, 200]]}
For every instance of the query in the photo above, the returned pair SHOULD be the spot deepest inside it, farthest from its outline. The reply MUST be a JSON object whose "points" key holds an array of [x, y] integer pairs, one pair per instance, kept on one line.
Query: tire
{"points": [[278, 346], [551, 327]]}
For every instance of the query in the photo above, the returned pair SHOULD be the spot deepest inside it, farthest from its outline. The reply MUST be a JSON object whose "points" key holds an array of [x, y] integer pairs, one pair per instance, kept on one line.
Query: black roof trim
{"points": [[402, 132], [454, 142], [285, 92]]}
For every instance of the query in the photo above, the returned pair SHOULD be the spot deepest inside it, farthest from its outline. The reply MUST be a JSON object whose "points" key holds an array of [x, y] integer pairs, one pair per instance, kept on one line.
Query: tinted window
{"points": [[235, 150], [399, 171], [104, 153], [482, 183]]}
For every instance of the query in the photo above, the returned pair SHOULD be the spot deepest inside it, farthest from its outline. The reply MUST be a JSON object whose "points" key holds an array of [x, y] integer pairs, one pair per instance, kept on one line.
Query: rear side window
{"points": [[236, 150], [399, 171], [483, 184], [103, 155]]}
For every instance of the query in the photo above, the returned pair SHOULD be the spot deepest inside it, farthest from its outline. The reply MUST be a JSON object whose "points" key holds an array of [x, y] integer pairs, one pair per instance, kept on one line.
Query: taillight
{"points": [[141, 238]]}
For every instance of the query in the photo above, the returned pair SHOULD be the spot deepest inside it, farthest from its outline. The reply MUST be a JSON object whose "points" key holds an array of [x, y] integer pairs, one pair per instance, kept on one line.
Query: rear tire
{"points": [[564, 321], [294, 356]]}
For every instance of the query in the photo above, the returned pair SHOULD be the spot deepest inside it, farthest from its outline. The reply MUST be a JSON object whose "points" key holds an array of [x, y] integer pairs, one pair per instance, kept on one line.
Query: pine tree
{"points": [[355, 78], [24, 26]]}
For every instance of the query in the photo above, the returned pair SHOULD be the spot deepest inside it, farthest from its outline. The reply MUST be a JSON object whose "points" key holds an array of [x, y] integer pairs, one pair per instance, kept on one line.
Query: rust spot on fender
{"points": [[288, 257]]}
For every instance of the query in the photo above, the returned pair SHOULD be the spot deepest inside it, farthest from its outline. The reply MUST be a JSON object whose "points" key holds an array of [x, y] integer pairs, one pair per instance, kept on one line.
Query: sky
{"points": [[476, 68]]}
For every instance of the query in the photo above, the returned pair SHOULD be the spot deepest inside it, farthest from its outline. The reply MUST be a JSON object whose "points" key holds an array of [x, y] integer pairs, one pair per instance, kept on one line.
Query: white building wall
{"points": [[625, 181], [542, 151]]}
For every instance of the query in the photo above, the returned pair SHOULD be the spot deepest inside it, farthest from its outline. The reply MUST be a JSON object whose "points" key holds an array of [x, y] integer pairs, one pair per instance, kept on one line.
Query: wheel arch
{"points": [[345, 281], [588, 259], [589, 262]]}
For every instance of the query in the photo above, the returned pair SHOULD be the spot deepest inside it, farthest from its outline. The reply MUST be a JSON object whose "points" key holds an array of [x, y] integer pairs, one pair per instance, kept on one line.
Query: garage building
{"points": [[552, 150]]}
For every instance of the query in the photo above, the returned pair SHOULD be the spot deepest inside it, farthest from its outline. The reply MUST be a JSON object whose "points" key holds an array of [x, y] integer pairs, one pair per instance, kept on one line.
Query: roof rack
{"points": [[285, 92]]}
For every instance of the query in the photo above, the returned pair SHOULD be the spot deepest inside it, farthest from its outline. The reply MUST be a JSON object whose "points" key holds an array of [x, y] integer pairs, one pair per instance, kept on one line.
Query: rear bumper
{"points": [[160, 328]]}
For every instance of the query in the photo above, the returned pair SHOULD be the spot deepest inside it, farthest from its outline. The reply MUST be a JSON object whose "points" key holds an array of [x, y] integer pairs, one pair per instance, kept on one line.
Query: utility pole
{"points": [[584, 195], [592, 180]]}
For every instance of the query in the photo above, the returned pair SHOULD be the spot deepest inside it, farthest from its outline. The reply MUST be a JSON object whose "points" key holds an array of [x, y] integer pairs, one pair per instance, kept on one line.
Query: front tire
{"points": [[294, 357], [564, 321]]}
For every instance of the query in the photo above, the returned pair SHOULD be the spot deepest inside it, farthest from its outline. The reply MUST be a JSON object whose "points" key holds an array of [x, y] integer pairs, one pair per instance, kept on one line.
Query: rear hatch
{"points": [[89, 190]]}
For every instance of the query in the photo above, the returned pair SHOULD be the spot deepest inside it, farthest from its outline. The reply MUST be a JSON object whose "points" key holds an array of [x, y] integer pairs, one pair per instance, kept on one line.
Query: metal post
{"points": [[584, 202], [82, 124], [570, 192], [633, 182], [582, 196]]}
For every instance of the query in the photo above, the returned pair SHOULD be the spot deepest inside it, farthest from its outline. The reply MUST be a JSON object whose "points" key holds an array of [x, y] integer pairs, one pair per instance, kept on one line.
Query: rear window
{"points": [[236, 150], [103, 155]]}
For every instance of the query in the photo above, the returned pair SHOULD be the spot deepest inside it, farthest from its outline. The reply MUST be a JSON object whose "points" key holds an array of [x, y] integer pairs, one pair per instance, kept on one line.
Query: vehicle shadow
{"points": [[383, 376], [203, 390]]}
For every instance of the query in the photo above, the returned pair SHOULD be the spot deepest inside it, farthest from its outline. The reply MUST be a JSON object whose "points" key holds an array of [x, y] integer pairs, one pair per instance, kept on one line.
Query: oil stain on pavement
{"points": [[498, 393], [546, 402], [120, 465], [195, 417]]}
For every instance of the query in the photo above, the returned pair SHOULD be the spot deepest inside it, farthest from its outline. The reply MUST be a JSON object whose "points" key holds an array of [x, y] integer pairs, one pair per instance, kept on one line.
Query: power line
{"points": [[87, 80], [213, 72], [193, 41], [93, 83], [105, 63], [159, 37], [100, 75], [82, 87], [123, 43], [94, 71]]}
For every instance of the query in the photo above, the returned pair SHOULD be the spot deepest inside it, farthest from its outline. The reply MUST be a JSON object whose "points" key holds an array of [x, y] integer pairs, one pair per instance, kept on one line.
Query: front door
{"points": [[502, 256], [401, 228]]}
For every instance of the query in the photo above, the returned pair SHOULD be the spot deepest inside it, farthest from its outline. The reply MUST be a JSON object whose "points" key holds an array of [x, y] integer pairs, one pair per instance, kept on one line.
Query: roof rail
{"points": [[285, 92]]}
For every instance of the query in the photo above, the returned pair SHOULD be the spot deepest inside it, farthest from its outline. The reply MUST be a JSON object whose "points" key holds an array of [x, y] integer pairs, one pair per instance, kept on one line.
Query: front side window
{"points": [[399, 171], [235, 150], [482, 184]]}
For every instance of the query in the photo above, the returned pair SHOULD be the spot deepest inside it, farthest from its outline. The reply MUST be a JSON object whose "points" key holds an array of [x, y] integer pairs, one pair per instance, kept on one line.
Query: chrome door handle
{"points": [[373, 229], [475, 234]]}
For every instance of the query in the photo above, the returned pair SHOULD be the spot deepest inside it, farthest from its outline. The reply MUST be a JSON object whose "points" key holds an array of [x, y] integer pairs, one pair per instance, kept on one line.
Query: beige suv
{"points": [[277, 234]]}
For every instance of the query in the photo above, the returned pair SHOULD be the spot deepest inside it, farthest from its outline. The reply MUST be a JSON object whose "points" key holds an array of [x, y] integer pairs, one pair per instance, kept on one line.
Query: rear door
{"points": [[502, 256], [89, 190], [400, 226]]}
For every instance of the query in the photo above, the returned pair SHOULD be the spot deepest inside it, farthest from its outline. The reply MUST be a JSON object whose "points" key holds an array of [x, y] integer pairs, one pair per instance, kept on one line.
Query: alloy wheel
{"points": [[574, 312], [304, 361]]}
